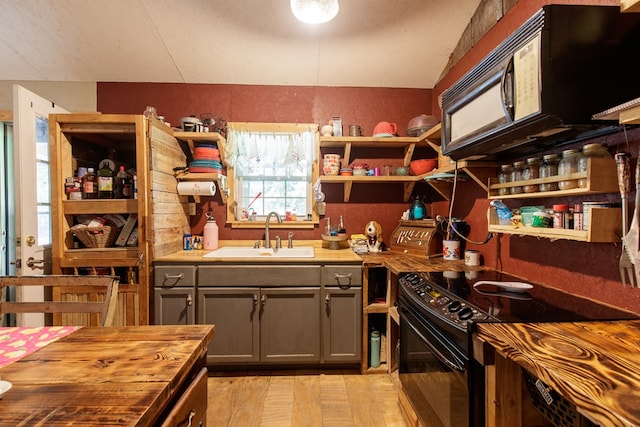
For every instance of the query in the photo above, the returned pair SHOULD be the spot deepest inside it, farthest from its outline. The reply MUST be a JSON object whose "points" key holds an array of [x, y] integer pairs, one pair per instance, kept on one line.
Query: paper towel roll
{"points": [[196, 188]]}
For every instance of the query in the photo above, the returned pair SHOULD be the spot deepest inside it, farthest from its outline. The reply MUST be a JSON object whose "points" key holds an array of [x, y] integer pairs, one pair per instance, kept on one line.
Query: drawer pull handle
{"points": [[343, 276], [171, 280], [192, 414]]}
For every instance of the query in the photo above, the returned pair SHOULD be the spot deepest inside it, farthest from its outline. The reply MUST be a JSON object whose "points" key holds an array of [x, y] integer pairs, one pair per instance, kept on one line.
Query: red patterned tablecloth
{"points": [[18, 342]]}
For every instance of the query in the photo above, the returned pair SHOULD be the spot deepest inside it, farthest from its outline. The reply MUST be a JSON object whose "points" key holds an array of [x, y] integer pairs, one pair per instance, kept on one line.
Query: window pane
{"points": [[43, 190], [44, 225]]}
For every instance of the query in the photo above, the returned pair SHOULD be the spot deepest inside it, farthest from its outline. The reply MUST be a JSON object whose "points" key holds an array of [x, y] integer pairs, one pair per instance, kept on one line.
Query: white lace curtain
{"points": [[250, 149]]}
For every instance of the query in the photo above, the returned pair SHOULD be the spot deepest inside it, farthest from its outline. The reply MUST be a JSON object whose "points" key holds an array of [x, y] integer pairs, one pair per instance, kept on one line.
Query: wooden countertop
{"points": [[594, 365], [104, 376], [321, 249]]}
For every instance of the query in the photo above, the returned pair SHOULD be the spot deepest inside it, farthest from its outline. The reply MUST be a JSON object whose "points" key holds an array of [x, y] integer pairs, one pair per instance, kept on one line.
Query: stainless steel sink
{"points": [[242, 252]]}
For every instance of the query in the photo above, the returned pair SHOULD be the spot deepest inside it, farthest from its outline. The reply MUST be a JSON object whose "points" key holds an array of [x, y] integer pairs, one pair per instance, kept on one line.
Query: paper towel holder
{"points": [[219, 180]]}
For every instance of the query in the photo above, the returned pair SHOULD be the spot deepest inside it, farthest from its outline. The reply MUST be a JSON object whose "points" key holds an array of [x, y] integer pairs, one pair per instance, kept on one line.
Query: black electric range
{"points": [[462, 297]]}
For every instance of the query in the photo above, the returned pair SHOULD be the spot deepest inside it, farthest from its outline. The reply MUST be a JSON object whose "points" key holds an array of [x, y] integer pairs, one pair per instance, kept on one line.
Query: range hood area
{"points": [[541, 87]]}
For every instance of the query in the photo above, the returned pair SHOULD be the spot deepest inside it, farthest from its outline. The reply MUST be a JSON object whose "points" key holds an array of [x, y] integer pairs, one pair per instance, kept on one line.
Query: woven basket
{"points": [[97, 237]]}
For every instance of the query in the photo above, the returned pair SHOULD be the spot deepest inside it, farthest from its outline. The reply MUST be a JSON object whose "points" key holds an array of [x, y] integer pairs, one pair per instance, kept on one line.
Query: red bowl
{"points": [[206, 152], [418, 167]]}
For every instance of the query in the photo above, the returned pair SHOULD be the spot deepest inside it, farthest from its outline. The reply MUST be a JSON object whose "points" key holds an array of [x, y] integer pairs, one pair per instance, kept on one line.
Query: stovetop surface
{"points": [[538, 304]]}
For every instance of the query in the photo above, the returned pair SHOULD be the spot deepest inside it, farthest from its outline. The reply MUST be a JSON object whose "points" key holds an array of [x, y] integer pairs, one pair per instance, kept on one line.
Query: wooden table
{"points": [[593, 365], [130, 376]]}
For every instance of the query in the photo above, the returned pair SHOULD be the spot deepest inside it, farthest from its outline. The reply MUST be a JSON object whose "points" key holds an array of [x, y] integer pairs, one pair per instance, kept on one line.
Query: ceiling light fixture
{"points": [[315, 11]]}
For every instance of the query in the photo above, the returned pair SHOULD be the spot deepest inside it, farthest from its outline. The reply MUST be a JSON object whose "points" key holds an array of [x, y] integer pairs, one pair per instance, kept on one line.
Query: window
{"points": [[272, 168]]}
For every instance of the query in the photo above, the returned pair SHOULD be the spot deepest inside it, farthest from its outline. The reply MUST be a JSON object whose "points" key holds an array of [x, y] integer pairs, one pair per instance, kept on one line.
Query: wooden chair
{"points": [[93, 296]]}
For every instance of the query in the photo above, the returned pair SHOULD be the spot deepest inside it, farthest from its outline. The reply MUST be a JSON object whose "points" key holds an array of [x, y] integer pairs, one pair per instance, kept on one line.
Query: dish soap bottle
{"points": [[210, 233], [418, 209]]}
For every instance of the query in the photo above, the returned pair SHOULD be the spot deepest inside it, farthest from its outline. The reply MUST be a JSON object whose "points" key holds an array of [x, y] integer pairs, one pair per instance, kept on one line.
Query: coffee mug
{"points": [[472, 258], [385, 128], [451, 250]]}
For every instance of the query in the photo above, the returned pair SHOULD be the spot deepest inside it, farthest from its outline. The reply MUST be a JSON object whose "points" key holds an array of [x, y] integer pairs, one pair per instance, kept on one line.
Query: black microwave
{"points": [[541, 86]]}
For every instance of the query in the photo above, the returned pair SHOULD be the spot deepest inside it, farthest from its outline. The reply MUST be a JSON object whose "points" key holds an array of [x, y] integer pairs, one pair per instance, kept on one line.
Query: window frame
{"points": [[232, 200]]}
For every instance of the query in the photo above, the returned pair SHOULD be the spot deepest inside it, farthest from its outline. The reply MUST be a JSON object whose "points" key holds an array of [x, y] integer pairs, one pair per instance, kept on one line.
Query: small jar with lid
{"points": [[516, 176], [531, 171], [548, 168], [590, 151], [504, 177], [568, 165]]}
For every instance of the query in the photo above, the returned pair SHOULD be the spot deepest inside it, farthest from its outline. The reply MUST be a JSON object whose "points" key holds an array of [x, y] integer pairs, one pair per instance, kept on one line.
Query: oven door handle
{"points": [[456, 364]]}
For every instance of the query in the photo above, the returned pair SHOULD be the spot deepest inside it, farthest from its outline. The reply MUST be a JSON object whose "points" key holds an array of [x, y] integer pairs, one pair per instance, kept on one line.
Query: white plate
{"points": [[5, 386], [508, 286]]}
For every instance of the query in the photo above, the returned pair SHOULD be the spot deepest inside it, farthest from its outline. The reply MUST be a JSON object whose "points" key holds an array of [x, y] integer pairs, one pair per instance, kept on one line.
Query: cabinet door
{"points": [[290, 325], [174, 306], [342, 325], [234, 312]]}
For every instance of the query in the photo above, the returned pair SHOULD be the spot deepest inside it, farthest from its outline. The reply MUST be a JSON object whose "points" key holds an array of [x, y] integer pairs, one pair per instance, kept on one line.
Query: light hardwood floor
{"points": [[302, 398]]}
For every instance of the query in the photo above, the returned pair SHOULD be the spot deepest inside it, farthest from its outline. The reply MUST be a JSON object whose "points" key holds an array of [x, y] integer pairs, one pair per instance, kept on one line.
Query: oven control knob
{"points": [[454, 306], [465, 313]]}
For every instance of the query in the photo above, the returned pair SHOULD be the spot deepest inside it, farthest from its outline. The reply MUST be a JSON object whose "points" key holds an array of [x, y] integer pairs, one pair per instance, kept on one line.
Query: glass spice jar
{"points": [[590, 151], [516, 176], [549, 167], [531, 171], [568, 165], [504, 177]]}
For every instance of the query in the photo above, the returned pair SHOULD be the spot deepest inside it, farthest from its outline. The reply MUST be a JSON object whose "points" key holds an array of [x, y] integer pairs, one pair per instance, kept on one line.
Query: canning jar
{"points": [[568, 165], [503, 177], [531, 171], [590, 151], [516, 176], [549, 167]]}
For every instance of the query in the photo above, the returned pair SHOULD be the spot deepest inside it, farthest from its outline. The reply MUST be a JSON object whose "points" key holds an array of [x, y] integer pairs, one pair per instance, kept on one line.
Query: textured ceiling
{"points": [[399, 43]]}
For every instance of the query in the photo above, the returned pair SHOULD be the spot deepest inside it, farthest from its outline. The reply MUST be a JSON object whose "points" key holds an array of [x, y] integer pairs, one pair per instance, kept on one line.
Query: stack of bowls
{"points": [[206, 159], [331, 165]]}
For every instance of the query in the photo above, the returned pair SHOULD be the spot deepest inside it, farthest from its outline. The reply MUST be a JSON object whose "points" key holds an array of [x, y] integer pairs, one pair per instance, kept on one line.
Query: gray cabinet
{"points": [[263, 313], [341, 314], [290, 325], [235, 313], [174, 295]]}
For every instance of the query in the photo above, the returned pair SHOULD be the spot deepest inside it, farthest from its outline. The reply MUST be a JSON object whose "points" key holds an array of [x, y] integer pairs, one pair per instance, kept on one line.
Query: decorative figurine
{"points": [[375, 243]]}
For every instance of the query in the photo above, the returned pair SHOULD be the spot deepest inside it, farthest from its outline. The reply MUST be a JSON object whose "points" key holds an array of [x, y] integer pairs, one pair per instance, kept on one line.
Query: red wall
{"points": [[588, 269], [286, 104]]}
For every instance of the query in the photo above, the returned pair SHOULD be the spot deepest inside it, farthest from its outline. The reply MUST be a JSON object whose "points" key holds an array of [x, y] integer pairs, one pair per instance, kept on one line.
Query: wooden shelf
{"points": [[630, 5], [601, 177], [480, 172], [219, 179], [604, 227], [192, 137], [102, 206]]}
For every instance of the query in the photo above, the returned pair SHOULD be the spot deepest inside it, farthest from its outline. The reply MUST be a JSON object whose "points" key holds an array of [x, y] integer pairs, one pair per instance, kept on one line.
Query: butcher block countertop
{"points": [[594, 365], [321, 249], [129, 376]]}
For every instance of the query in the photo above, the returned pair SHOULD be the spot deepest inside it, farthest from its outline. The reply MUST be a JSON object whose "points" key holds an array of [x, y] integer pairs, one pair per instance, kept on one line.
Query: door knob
{"points": [[31, 262]]}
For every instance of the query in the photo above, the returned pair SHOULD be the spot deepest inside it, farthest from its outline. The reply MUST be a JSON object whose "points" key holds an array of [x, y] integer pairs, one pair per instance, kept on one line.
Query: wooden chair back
{"points": [[95, 294]]}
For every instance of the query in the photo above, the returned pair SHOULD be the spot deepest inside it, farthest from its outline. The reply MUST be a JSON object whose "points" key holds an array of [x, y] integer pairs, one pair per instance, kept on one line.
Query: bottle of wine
{"points": [[123, 189], [105, 181]]}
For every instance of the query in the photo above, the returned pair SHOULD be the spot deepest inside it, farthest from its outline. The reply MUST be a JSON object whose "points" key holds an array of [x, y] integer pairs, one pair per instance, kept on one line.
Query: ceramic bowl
{"points": [[418, 167], [402, 170]]}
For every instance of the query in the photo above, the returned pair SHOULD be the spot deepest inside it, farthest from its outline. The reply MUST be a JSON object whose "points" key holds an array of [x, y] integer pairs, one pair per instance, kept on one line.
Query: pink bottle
{"points": [[210, 233]]}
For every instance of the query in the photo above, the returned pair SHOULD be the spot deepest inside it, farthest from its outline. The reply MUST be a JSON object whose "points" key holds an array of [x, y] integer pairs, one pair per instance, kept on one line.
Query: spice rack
{"points": [[605, 223]]}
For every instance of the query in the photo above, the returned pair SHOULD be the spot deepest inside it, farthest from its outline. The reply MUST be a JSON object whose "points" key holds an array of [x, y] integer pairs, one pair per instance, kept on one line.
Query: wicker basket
{"points": [[97, 237]]}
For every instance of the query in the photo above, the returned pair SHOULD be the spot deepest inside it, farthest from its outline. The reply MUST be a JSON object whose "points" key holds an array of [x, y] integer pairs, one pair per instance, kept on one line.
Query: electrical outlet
{"points": [[321, 207], [192, 209]]}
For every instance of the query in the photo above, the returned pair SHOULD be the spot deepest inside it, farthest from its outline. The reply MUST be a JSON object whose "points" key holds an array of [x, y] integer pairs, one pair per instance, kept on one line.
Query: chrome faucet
{"points": [[267, 241]]}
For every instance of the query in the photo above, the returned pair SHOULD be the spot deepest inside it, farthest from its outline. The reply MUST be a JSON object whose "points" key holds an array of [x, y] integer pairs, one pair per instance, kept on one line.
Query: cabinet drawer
{"points": [[191, 408], [171, 276], [259, 275], [342, 275]]}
